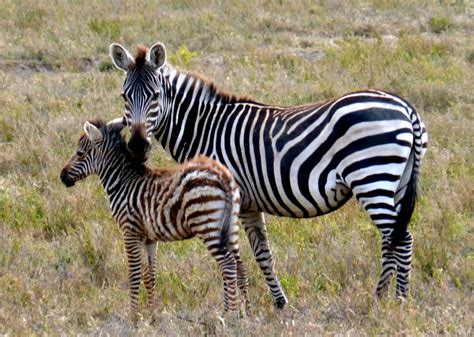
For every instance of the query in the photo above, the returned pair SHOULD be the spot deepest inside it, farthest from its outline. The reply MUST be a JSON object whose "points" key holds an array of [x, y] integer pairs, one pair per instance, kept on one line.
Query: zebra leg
{"points": [[403, 252], [254, 225], [148, 273], [380, 206], [242, 282], [228, 267], [388, 266], [133, 248]]}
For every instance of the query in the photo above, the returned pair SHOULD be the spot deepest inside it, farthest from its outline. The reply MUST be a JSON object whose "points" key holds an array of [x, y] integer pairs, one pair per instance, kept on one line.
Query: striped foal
{"points": [[298, 161], [199, 198]]}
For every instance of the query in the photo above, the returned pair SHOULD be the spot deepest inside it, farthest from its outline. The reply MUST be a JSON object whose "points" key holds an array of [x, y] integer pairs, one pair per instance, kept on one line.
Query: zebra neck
{"points": [[195, 107], [117, 172]]}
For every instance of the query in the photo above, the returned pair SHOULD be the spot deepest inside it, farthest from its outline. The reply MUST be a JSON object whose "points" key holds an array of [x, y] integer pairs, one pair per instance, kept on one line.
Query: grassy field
{"points": [[62, 265]]}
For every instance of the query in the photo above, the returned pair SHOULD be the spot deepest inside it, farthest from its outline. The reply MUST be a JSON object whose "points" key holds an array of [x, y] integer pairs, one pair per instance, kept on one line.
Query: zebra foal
{"points": [[199, 198]]}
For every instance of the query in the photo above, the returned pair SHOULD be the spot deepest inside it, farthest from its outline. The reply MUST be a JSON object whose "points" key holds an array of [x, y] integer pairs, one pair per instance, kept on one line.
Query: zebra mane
{"points": [[140, 56], [212, 88], [210, 85]]}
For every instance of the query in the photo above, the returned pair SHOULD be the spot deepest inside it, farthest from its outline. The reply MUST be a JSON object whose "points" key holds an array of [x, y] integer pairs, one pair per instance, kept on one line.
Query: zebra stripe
{"points": [[301, 161], [199, 198]]}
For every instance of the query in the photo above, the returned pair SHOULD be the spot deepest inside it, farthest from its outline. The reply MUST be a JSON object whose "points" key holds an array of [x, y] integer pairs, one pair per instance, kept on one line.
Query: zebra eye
{"points": [[156, 95], [80, 153]]}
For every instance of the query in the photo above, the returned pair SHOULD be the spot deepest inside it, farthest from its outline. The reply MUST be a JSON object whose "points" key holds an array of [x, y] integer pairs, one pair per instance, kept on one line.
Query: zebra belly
{"points": [[161, 225], [335, 196], [167, 231]]}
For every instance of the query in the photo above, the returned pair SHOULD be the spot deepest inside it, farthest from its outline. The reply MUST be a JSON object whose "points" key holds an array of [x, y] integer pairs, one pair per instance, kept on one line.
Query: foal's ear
{"points": [[157, 55], [92, 132], [121, 57]]}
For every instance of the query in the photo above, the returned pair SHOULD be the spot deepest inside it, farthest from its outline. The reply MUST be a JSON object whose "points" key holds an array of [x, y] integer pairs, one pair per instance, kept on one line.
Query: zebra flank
{"points": [[199, 198], [301, 161]]}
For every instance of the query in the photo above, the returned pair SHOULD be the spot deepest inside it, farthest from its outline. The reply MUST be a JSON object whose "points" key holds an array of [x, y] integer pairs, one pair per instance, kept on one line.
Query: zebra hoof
{"points": [[402, 299], [381, 293], [280, 303]]}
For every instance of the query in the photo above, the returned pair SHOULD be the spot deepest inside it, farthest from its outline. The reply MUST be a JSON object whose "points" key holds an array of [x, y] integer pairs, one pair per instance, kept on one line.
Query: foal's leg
{"points": [[133, 248], [148, 273], [234, 249], [242, 282], [228, 268]]}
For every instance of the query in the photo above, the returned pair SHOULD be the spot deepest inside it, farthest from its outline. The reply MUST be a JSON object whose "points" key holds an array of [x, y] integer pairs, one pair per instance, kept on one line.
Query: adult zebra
{"points": [[301, 161]]}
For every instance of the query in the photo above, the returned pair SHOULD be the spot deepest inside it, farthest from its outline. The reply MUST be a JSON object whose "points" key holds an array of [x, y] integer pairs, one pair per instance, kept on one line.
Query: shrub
{"points": [[182, 57]]}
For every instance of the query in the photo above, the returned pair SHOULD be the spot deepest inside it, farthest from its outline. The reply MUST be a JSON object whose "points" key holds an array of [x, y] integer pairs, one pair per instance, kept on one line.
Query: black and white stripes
{"points": [[301, 161], [199, 198]]}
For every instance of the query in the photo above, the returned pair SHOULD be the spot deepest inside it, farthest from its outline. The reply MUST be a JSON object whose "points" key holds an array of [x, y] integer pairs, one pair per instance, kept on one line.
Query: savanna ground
{"points": [[62, 265]]}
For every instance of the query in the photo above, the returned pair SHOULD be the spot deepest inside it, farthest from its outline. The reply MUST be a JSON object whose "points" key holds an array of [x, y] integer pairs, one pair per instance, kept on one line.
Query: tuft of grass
{"points": [[106, 65], [366, 31], [7, 132], [30, 18], [108, 28], [470, 56], [439, 24], [182, 57]]}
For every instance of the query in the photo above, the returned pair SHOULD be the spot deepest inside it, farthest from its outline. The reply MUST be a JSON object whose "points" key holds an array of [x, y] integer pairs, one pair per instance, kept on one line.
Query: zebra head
{"points": [[142, 92], [93, 147]]}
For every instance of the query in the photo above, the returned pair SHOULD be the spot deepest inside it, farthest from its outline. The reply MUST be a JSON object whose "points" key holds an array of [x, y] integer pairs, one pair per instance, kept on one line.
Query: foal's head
{"points": [[94, 146]]}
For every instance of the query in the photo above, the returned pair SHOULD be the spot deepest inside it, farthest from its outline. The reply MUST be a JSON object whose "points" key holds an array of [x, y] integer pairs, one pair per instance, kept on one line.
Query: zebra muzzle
{"points": [[66, 179], [139, 145]]}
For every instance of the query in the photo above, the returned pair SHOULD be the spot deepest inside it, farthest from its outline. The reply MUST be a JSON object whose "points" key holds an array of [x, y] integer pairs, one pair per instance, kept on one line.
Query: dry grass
{"points": [[62, 266]]}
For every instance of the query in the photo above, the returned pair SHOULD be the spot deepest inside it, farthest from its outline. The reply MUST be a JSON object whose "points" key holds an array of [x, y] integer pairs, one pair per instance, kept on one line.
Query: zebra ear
{"points": [[92, 132], [121, 57], [157, 55], [117, 123]]}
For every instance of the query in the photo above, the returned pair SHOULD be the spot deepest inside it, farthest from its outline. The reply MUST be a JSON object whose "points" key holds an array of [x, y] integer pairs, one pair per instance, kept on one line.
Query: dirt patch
{"points": [[21, 66], [71, 65]]}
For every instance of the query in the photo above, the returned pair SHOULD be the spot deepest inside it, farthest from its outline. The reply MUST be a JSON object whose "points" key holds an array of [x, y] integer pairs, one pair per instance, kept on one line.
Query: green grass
{"points": [[62, 265], [439, 24]]}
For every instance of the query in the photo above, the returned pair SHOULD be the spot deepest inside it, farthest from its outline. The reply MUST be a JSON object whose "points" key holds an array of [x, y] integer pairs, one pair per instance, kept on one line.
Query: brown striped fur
{"points": [[198, 198]]}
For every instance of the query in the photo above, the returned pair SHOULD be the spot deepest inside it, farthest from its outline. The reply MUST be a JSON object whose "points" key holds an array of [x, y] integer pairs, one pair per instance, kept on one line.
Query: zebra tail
{"points": [[407, 206], [408, 201], [227, 219]]}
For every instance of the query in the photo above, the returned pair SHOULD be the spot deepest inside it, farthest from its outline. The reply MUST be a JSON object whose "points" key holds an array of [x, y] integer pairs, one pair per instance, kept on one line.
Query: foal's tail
{"points": [[231, 210]]}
